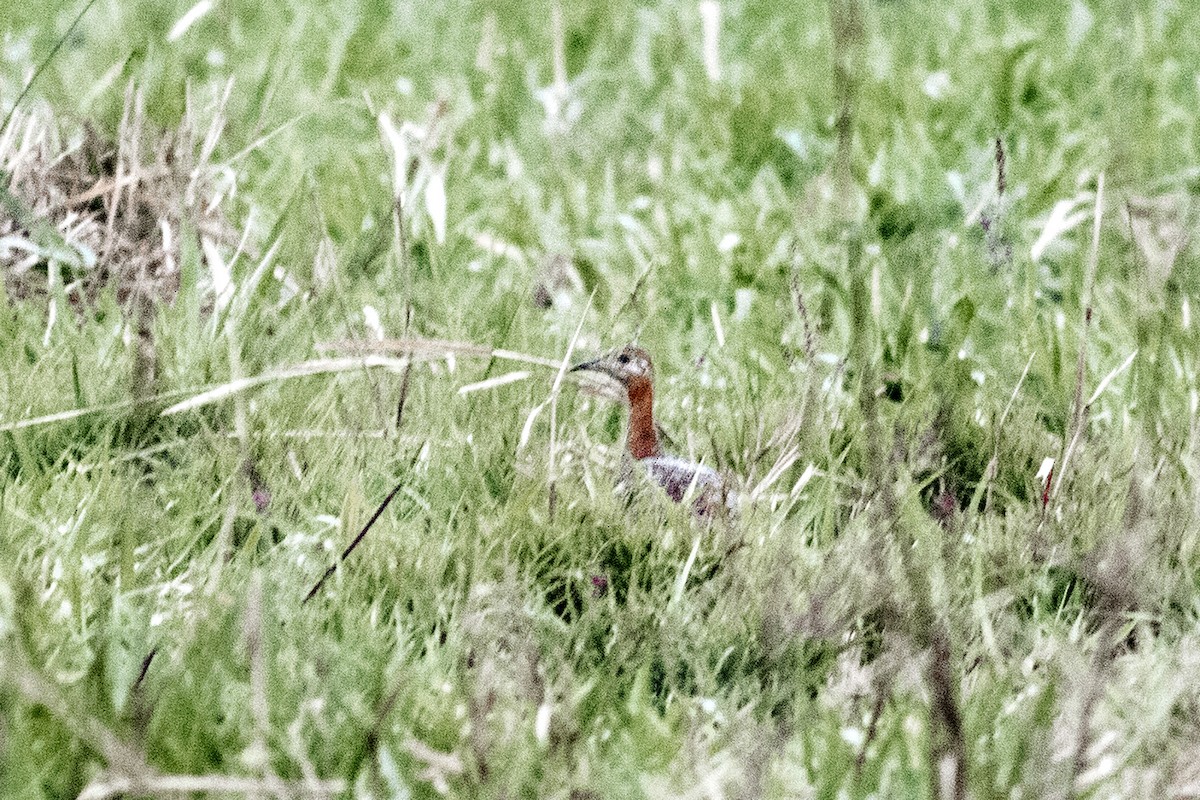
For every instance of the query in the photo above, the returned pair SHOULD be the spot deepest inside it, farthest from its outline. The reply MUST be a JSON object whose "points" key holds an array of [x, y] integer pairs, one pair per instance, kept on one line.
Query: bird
{"points": [[631, 367]]}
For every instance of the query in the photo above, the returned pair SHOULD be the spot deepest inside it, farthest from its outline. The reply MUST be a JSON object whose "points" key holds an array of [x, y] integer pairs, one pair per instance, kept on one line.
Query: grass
{"points": [[842, 254]]}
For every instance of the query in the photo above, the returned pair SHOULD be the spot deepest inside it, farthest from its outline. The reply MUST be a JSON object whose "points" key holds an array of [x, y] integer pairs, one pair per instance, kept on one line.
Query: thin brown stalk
{"points": [[948, 747], [259, 709], [994, 464], [1097, 684], [355, 542], [1001, 168], [848, 33], [1078, 407], [882, 695], [105, 186], [404, 383]]}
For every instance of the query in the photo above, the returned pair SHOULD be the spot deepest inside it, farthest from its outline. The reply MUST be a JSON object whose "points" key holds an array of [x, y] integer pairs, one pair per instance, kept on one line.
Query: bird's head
{"points": [[627, 365]]}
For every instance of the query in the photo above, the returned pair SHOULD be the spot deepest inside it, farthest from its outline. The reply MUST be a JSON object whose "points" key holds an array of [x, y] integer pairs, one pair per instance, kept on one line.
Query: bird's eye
{"points": [[623, 358]]}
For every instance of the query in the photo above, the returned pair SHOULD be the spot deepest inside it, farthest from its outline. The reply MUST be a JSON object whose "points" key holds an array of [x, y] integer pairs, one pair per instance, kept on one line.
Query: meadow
{"points": [[916, 278]]}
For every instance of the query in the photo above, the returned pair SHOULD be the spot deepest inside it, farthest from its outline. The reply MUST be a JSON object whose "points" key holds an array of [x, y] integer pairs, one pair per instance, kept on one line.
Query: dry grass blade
{"points": [[171, 785], [1110, 377], [492, 383], [434, 349], [1016, 390], [318, 366], [682, 578], [1087, 407], [527, 429], [984, 492], [785, 461], [718, 328], [76, 413], [189, 18], [1079, 408], [418, 350], [109, 185], [439, 766]]}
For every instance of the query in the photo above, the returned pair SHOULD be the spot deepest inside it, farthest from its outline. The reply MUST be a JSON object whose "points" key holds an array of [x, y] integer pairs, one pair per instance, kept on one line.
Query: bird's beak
{"points": [[603, 365], [594, 365]]}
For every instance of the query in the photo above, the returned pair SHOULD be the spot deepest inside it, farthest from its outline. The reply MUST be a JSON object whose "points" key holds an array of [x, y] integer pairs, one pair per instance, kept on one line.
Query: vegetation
{"points": [[917, 276]]}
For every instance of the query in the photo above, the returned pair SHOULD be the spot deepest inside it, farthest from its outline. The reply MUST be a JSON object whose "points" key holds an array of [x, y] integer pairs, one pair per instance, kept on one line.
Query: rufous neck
{"points": [[643, 437]]}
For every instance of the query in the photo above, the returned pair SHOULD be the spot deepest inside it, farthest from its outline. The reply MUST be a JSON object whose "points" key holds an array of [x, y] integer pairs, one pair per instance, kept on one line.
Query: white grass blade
{"points": [[1063, 217], [400, 155], [213, 135], [52, 281], [320, 366], [492, 383], [190, 18], [805, 477], [527, 429], [710, 24], [373, 322], [499, 248], [718, 329], [512, 355], [325, 264], [241, 303], [1110, 377], [437, 349], [75, 413], [776, 472], [541, 724], [107, 785], [681, 579], [222, 276], [1044, 470], [435, 202], [1016, 389]]}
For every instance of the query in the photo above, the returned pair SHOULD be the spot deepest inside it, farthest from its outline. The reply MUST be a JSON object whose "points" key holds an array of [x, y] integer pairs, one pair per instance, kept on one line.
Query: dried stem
{"points": [[1079, 407], [357, 540], [947, 745]]}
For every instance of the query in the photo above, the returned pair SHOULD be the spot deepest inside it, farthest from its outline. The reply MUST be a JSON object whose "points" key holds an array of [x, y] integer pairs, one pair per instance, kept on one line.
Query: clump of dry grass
{"points": [[81, 212]]}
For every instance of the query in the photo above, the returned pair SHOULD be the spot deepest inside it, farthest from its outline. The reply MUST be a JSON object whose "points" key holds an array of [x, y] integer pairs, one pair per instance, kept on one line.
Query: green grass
{"points": [[837, 639]]}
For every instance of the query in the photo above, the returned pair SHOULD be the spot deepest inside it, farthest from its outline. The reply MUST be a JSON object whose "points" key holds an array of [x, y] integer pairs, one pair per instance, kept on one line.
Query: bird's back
{"points": [[676, 476]]}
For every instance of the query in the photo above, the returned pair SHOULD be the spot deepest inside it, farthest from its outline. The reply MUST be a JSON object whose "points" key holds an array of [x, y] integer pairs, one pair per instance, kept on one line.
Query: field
{"points": [[916, 278]]}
